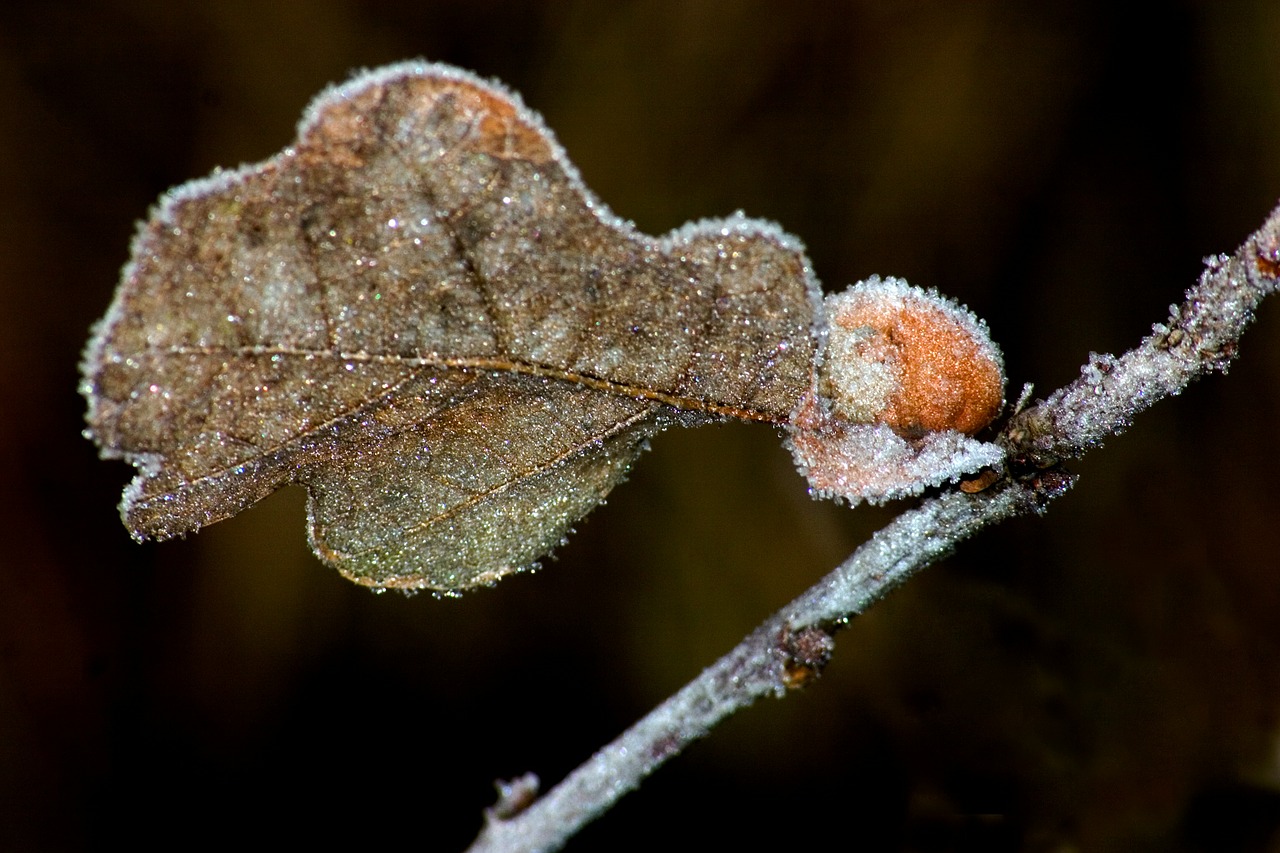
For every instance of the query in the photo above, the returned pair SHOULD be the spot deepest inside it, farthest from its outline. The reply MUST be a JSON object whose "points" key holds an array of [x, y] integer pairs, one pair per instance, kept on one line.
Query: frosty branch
{"points": [[420, 313], [1201, 335]]}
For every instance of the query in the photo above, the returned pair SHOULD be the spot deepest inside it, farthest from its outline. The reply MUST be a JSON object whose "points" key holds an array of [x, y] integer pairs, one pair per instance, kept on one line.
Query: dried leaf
{"points": [[421, 314]]}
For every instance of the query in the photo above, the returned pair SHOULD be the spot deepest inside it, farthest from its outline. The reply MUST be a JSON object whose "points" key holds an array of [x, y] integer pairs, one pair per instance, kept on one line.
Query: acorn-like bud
{"points": [[910, 359], [905, 378]]}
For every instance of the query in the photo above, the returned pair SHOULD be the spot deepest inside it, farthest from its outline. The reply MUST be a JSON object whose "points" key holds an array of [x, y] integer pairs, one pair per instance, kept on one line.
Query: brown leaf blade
{"points": [[420, 313]]}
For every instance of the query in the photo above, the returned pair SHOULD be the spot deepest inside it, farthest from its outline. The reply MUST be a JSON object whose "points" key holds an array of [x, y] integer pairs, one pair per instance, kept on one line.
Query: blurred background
{"points": [[1104, 678]]}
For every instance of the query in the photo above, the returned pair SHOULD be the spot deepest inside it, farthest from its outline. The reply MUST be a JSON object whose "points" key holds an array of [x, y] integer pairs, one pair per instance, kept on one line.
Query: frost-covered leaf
{"points": [[419, 313]]}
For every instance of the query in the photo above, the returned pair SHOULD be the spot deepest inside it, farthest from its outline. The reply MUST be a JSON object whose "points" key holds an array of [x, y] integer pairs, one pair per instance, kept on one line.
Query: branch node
{"points": [[514, 796], [804, 655], [1267, 255]]}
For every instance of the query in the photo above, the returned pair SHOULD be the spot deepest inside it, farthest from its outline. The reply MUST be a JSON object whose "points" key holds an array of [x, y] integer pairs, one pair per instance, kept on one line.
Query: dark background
{"points": [[1104, 678]]}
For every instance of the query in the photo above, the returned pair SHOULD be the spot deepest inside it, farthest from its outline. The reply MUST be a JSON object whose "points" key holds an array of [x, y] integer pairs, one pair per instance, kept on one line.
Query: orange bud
{"points": [[909, 359], [905, 377]]}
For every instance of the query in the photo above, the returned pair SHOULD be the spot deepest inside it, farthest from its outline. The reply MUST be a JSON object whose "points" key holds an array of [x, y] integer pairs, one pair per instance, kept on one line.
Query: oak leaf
{"points": [[419, 313]]}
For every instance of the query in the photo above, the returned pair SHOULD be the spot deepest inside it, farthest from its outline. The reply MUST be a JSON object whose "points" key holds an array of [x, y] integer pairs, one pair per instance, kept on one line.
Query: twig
{"points": [[1200, 336]]}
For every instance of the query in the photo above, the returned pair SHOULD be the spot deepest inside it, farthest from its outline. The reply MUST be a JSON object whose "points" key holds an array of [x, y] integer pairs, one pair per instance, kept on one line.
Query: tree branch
{"points": [[787, 650]]}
